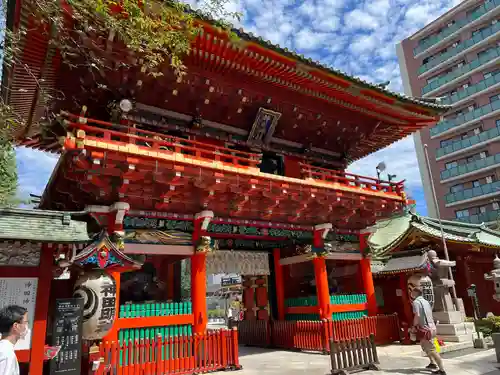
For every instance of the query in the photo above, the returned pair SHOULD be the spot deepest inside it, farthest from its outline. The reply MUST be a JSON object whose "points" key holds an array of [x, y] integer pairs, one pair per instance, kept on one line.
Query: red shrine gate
{"points": [[254, 139]]}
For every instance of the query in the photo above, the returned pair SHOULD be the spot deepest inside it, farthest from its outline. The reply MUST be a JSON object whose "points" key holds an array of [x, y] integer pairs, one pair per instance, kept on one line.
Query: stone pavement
{"points": [[393, 361]]}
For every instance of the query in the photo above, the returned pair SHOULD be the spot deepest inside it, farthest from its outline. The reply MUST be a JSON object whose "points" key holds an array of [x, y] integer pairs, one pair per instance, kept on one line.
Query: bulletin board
{"points": [[20, 291]]}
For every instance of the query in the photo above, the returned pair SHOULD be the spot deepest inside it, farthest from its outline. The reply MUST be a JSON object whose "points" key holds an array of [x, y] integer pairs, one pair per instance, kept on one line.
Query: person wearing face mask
{"points": [[13, 327]]}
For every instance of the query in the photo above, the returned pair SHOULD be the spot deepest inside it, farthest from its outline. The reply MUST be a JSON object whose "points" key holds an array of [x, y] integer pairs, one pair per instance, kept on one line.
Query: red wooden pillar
{"points": [[115, 224], [199, 274], [199, 291], [280, 288], [41, 311], [366, 274], [322, 290], [320, 272], [407, 309]]}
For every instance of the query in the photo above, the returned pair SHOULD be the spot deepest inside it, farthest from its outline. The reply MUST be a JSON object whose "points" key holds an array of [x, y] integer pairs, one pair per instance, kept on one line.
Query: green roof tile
{"points": [[43, 226], [388, 234]]}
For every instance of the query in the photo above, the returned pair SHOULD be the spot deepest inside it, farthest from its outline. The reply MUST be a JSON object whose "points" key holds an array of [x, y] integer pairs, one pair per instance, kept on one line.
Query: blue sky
{"points": [[358, 37]]}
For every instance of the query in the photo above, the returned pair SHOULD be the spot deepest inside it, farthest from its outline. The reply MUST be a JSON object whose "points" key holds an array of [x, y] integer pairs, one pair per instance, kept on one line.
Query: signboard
{"points": [[66, 333], [229, 281], [20, 291]]}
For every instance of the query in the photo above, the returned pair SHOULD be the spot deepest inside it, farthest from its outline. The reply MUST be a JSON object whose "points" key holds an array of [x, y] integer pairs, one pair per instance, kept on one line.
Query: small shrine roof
{"points": [[43, 226], [389, 234], [402, 264]]}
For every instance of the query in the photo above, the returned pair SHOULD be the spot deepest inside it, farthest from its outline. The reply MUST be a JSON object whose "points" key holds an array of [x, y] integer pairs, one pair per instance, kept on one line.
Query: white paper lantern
{"points": [[98, 290]]}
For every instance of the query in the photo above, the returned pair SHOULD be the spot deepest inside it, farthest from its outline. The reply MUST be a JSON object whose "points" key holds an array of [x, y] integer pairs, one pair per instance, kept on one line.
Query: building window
{"points": [[498, 123], [451, 165], [483, 53], [457, 188], [494, 98], [461, 213], [491, 74]]}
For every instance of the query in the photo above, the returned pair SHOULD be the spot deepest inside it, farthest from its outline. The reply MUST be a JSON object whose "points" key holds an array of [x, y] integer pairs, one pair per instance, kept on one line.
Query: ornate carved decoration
{"points": [[105, 253], [25, 254]]}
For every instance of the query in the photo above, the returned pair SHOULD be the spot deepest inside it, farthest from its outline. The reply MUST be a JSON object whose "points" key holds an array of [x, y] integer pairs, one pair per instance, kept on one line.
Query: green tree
{"points": [[158, 35], [8, 174]]}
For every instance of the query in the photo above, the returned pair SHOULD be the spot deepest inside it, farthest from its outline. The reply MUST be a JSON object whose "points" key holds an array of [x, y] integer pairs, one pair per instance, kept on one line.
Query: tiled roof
{"points": [[426, 102], [43, 226], [403, 264], [388, 234]]}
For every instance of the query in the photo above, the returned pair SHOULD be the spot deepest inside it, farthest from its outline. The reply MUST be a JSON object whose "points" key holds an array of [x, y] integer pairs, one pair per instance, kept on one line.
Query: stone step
{"points": [[453, 346], [457, 338], [448, 317], [455, 329]]}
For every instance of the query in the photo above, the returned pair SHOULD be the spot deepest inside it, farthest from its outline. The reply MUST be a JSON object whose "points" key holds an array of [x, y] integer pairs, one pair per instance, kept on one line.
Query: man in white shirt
{"points": [[13, 327], [423, 319]]}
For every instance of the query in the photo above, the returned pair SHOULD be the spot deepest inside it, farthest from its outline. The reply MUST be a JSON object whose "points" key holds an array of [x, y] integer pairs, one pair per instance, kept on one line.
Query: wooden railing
{"points": [[124, 135], [316, 335], [344, 178], [212, 351]]}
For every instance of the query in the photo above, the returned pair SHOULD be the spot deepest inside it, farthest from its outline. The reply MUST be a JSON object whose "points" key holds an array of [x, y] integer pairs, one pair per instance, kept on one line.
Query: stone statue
{"points": [[494, 276]]}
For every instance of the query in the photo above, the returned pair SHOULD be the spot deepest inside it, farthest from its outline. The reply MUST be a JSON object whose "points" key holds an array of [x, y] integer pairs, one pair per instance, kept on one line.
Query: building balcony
{"points": [[488, 59], [473, 194], [487, 217], [468, 144], [481, 87], [463, 121], [449, 31], [476, 41], [469, 169], [153, 171]]}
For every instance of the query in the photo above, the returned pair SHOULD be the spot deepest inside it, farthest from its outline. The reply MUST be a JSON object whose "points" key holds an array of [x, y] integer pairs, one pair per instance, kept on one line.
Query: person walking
{"points": [[425, 330], [13, 327]]}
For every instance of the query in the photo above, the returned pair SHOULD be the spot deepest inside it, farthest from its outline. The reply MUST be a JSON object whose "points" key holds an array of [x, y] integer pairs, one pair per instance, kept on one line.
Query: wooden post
{"points": [[199, 291], [170, 282], [367, 277], [41, 311], [405, 300], [280, 288], [199, 273], [322, 290]]}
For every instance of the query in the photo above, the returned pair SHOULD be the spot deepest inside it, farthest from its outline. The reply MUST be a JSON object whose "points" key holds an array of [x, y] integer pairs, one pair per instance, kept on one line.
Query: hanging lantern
{"points": [[98, 290], [425, 284]]}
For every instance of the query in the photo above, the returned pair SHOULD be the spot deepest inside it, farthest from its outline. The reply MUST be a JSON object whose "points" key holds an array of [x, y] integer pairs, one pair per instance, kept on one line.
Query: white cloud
{"points": [[360, 20]]}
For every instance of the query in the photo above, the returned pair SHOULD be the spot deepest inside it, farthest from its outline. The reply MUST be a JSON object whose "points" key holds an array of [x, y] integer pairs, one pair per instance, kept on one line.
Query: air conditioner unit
{"points": [[482, 155], [494, 22], [470, 108], [477, 131], [465, 85]]}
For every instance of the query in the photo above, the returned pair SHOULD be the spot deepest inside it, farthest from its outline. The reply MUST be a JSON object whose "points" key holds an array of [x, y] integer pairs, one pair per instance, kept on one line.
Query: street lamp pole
{"points": [[434, 197]]}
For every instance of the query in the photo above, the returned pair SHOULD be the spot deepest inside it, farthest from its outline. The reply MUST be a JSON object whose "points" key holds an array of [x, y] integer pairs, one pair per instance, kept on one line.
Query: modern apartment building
{"points": [[456, 59]]}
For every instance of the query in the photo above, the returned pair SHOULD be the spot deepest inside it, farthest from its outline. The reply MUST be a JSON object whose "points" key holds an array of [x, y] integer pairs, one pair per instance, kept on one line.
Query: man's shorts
{"points": [[428, 345]]}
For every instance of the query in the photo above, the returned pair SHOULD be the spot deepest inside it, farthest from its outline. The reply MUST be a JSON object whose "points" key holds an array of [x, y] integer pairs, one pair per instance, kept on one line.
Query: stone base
{"points": [[455, 329], [448, 317], [453, 346], [458, 338]]}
